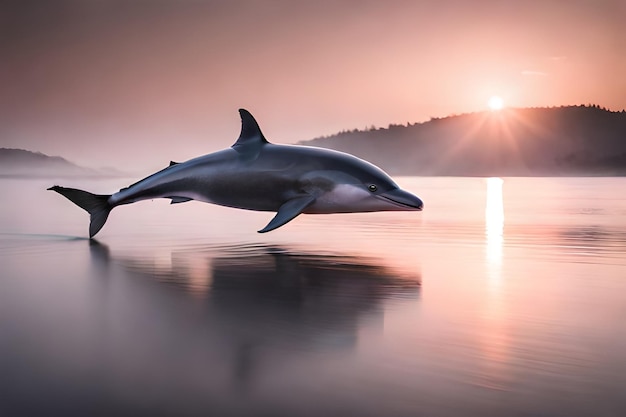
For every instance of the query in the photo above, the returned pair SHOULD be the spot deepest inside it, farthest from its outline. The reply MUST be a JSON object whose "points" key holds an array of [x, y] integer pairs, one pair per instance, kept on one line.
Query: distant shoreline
{"points": [[53, 176], [567, 141]]}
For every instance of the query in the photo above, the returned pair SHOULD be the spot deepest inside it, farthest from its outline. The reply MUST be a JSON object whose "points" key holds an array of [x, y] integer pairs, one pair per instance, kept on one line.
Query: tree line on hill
{"points": [[567, 140]]}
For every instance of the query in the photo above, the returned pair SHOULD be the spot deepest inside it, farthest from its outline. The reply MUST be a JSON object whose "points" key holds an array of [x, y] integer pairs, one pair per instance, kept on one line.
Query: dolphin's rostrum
{"points": [[256, 175]]}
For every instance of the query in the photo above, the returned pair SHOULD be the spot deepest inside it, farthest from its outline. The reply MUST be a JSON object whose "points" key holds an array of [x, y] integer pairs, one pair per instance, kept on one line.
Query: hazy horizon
{"points": [[138, 83]]}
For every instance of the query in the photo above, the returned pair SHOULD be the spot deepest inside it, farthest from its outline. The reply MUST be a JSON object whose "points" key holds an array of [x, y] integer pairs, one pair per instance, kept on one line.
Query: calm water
{"points": [[505, 297]]}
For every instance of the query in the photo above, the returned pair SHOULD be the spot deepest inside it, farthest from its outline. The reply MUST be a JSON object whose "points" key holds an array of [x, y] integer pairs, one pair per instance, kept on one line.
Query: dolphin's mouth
{"points": [[402, 199]]}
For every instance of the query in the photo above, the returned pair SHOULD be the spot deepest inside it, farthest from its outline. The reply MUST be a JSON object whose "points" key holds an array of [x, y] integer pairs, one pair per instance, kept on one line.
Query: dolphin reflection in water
{"points": [[254, 174], [250, 302]]}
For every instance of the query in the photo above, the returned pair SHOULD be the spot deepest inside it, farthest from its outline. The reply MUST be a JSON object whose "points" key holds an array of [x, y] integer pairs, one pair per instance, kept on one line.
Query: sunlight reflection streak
{"points": [[494, 221]]}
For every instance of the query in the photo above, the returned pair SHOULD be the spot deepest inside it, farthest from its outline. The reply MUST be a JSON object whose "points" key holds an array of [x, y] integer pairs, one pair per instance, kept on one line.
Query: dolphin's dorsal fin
{"points": [[251, 138], [172, 163]]}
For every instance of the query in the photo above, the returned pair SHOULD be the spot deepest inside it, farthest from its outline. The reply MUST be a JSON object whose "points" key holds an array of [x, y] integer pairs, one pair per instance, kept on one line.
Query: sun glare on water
{"points": [[495, 103]]}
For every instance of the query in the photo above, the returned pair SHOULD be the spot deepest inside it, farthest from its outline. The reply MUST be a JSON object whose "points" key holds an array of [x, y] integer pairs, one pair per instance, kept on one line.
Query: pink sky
{"points": [[137, 83]]}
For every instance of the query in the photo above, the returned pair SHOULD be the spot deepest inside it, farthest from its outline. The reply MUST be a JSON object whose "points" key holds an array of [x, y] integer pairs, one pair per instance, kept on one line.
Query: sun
{"points": [[495, 103]]}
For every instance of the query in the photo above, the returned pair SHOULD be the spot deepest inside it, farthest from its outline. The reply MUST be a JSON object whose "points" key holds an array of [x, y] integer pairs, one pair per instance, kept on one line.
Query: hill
{"points": [[21, 162], [571, 140]]}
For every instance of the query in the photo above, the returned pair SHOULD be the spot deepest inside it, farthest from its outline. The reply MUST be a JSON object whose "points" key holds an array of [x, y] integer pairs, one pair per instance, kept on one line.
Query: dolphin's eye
{"points": [[372, 187]]}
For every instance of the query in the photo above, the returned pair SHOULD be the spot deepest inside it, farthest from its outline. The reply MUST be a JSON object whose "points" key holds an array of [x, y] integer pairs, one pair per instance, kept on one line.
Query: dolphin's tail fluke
{"points": [[97, 205]]}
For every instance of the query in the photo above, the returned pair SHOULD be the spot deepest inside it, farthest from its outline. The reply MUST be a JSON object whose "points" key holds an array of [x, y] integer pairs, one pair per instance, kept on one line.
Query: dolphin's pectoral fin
{"points": [[288, 211], [176, 200]]}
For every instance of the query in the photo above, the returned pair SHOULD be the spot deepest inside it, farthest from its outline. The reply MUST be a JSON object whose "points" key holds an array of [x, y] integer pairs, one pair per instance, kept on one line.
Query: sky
{"points": [[132, 84]]}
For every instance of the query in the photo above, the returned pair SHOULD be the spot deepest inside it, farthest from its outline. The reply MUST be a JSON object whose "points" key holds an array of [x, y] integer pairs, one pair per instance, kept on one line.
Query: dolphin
{"points": [[254, 174]]}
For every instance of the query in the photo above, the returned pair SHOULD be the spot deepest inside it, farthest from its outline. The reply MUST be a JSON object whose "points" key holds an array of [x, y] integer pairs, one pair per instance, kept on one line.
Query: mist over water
{"points": [[503, 297]]}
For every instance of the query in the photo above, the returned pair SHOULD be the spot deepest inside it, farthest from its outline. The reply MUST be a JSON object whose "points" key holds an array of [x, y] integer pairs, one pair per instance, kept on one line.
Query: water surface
{"points": [[504, 297]]}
